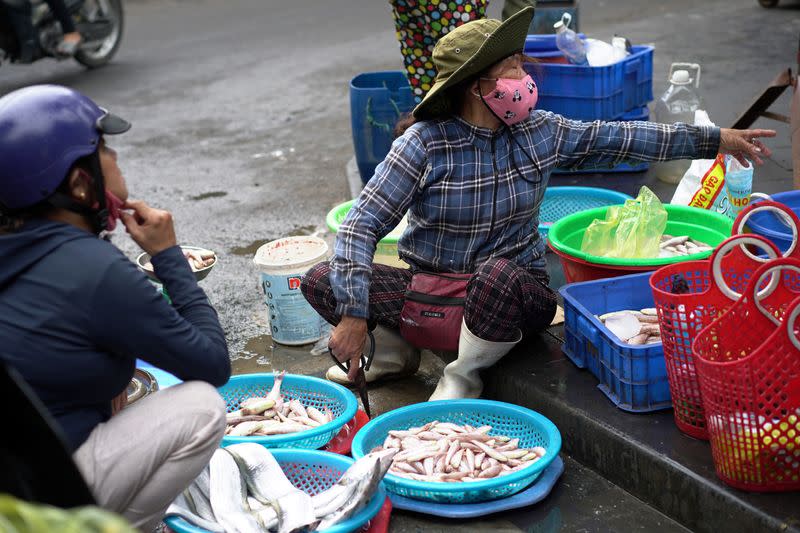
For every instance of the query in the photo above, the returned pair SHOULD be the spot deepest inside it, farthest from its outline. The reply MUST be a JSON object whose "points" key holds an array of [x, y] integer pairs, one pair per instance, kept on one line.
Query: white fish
{"points": [[275, 392], [265, 480], [180, 508], [228, 494]]}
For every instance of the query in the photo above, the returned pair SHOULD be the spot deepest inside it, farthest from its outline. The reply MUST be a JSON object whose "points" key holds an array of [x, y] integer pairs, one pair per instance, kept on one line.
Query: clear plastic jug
{"points": [[678, 104], [568, 41]]}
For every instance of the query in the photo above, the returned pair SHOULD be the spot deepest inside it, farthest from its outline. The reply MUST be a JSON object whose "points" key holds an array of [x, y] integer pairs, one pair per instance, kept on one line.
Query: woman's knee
{"points": [[312, 278], [206, 405], [496, 273]]}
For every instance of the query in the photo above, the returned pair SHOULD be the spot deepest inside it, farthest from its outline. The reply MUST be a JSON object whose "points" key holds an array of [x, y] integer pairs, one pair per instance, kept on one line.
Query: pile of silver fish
{"points": [[448, 453], [677, 246], [198, 259], [244, 490], [272, 415], [634, 327]]}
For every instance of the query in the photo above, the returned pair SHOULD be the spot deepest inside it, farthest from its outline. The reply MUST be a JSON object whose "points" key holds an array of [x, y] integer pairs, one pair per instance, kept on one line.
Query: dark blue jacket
{"points": [[75, 314]]}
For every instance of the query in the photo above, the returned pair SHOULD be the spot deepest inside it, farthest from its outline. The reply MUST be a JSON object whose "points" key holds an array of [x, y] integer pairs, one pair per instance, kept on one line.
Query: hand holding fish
{"points": [[152, 229], [347, 342]]}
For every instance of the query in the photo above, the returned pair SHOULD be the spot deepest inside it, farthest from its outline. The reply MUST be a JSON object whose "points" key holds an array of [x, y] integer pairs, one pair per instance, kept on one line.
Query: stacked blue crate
{"points": [[620, 91]]}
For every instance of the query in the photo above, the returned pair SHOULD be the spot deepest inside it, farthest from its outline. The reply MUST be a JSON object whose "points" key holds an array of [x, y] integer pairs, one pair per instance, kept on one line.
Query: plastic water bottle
{"points": [[568, 41], [739, 184], [678, 104]]}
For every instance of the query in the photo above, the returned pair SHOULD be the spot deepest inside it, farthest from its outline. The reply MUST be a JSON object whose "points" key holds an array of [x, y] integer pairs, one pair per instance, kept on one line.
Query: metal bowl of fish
{"points": [[201, 261], [249, 488], [285, 410], [461, 451], [142, 384]]}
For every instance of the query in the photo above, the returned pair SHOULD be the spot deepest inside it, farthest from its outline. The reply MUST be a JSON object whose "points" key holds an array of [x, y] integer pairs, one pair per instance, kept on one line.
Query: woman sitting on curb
{"points": [[75, 313]]}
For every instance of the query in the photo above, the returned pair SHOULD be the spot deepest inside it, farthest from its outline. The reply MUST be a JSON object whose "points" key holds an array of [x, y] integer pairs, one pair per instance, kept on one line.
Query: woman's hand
{"points": [[119, 402], [743, 144], [347, 342], [152, 229]]}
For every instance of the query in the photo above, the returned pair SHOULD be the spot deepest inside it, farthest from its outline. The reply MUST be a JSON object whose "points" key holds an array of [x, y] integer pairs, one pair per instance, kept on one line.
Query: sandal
{"points": [[68, 49]]}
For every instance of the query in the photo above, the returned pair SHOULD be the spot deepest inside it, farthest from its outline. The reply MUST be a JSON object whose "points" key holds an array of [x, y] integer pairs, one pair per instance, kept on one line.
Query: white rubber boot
{"points": [[394, 358], [461, 378]]}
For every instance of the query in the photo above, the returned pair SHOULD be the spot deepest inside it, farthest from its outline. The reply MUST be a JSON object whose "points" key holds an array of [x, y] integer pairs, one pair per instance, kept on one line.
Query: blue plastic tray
{"points": [[559, 202], [642, 113], [514, 421], [311, 471], [533, 494], [591, 93], [316, 392], [633, 377]]}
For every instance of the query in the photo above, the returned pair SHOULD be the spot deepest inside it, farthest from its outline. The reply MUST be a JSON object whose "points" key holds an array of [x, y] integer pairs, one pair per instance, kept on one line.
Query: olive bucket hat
{"points": [[469, 50]]}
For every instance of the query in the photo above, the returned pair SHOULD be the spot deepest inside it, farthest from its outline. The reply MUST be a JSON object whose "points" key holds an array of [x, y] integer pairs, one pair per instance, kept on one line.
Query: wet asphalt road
{"points": [[241, 117], [241, 129]]}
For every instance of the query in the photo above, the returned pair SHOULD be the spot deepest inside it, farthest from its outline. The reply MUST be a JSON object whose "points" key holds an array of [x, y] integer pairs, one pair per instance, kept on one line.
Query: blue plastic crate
{"points": [[641, 113], [377, 100], [633, 377], [542, 42], [591, 93]]}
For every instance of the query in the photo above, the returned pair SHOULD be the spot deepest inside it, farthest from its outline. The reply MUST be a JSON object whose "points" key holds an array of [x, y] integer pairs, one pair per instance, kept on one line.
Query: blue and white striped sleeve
{"points": [[378, 209], [607, 144]]}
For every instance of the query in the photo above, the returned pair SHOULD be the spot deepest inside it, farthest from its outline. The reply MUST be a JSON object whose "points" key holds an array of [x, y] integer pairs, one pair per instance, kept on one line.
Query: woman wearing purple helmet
{"points": [[75, 313]]}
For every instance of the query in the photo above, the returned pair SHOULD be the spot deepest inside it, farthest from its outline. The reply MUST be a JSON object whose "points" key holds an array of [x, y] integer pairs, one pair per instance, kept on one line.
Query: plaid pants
{"points": [[501, 298]]}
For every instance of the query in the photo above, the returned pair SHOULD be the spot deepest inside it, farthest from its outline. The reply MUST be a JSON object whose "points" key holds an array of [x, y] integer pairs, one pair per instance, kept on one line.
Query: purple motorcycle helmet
{"points": [[44, 130]]}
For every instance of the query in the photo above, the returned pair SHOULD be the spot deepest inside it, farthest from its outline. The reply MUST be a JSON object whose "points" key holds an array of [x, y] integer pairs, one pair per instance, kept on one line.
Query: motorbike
{"points": [[29, 31]]}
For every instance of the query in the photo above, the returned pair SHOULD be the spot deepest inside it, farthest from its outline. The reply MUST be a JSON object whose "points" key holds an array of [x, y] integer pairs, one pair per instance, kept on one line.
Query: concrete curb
{"points": [[644, 454]]}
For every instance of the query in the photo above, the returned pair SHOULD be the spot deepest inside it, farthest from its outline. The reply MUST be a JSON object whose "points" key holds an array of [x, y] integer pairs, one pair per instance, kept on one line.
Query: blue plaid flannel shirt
{"points": [[473, 194]]}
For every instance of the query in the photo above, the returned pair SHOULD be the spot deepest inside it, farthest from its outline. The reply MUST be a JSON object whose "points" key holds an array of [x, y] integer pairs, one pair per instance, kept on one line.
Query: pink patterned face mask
{"points": [[512, 100], [114, 206]]}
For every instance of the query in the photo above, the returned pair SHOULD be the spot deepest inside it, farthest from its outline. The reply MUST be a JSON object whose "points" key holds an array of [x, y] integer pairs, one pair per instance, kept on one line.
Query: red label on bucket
{"points": [[294, 283]]}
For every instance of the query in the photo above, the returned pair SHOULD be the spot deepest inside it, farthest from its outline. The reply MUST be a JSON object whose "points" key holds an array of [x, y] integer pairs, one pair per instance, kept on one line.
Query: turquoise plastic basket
{"points": [[531, 428], [311, 471], [559, 202], [311, 391]]}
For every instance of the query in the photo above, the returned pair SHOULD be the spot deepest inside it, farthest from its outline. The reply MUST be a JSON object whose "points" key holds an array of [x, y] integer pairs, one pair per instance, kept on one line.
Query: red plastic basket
{"points": [[682, 316], [750, 381], [344, 439], [380, 523]]}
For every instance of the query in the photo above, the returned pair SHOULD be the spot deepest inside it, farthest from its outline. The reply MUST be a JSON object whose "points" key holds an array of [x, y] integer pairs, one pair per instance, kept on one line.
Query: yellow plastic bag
{"points": [[632, 230]]}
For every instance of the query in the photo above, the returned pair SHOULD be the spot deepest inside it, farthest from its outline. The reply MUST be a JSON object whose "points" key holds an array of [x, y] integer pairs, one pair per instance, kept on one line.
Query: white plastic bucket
{"points": [[283, 264]]}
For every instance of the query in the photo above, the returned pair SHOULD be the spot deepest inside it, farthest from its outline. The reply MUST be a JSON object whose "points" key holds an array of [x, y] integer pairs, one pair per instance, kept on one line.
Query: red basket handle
{"points": [[741, 240], [784, 213], [790, 320], [784, 263]]}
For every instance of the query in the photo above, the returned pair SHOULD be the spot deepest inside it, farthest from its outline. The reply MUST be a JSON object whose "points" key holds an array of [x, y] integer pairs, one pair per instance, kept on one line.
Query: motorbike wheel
{"points": [[105, 51]]}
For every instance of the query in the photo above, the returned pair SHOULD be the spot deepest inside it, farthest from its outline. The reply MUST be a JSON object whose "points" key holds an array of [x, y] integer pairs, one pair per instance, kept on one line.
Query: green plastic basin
{"points": [[701, 225], [386, 251]]}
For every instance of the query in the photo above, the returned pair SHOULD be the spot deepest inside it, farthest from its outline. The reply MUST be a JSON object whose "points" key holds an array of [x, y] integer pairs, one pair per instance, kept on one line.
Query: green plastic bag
{"points": [[632, 230], [18, 516]]}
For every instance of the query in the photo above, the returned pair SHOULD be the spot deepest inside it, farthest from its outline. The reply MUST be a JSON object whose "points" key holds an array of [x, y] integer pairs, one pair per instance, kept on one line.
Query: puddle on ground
{"points": [[261, 354], [205, 195], [251, 248]]}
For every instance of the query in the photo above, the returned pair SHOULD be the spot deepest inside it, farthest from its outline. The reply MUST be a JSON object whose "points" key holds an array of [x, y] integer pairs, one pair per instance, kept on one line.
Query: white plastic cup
{"points": [[283, 263]]}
